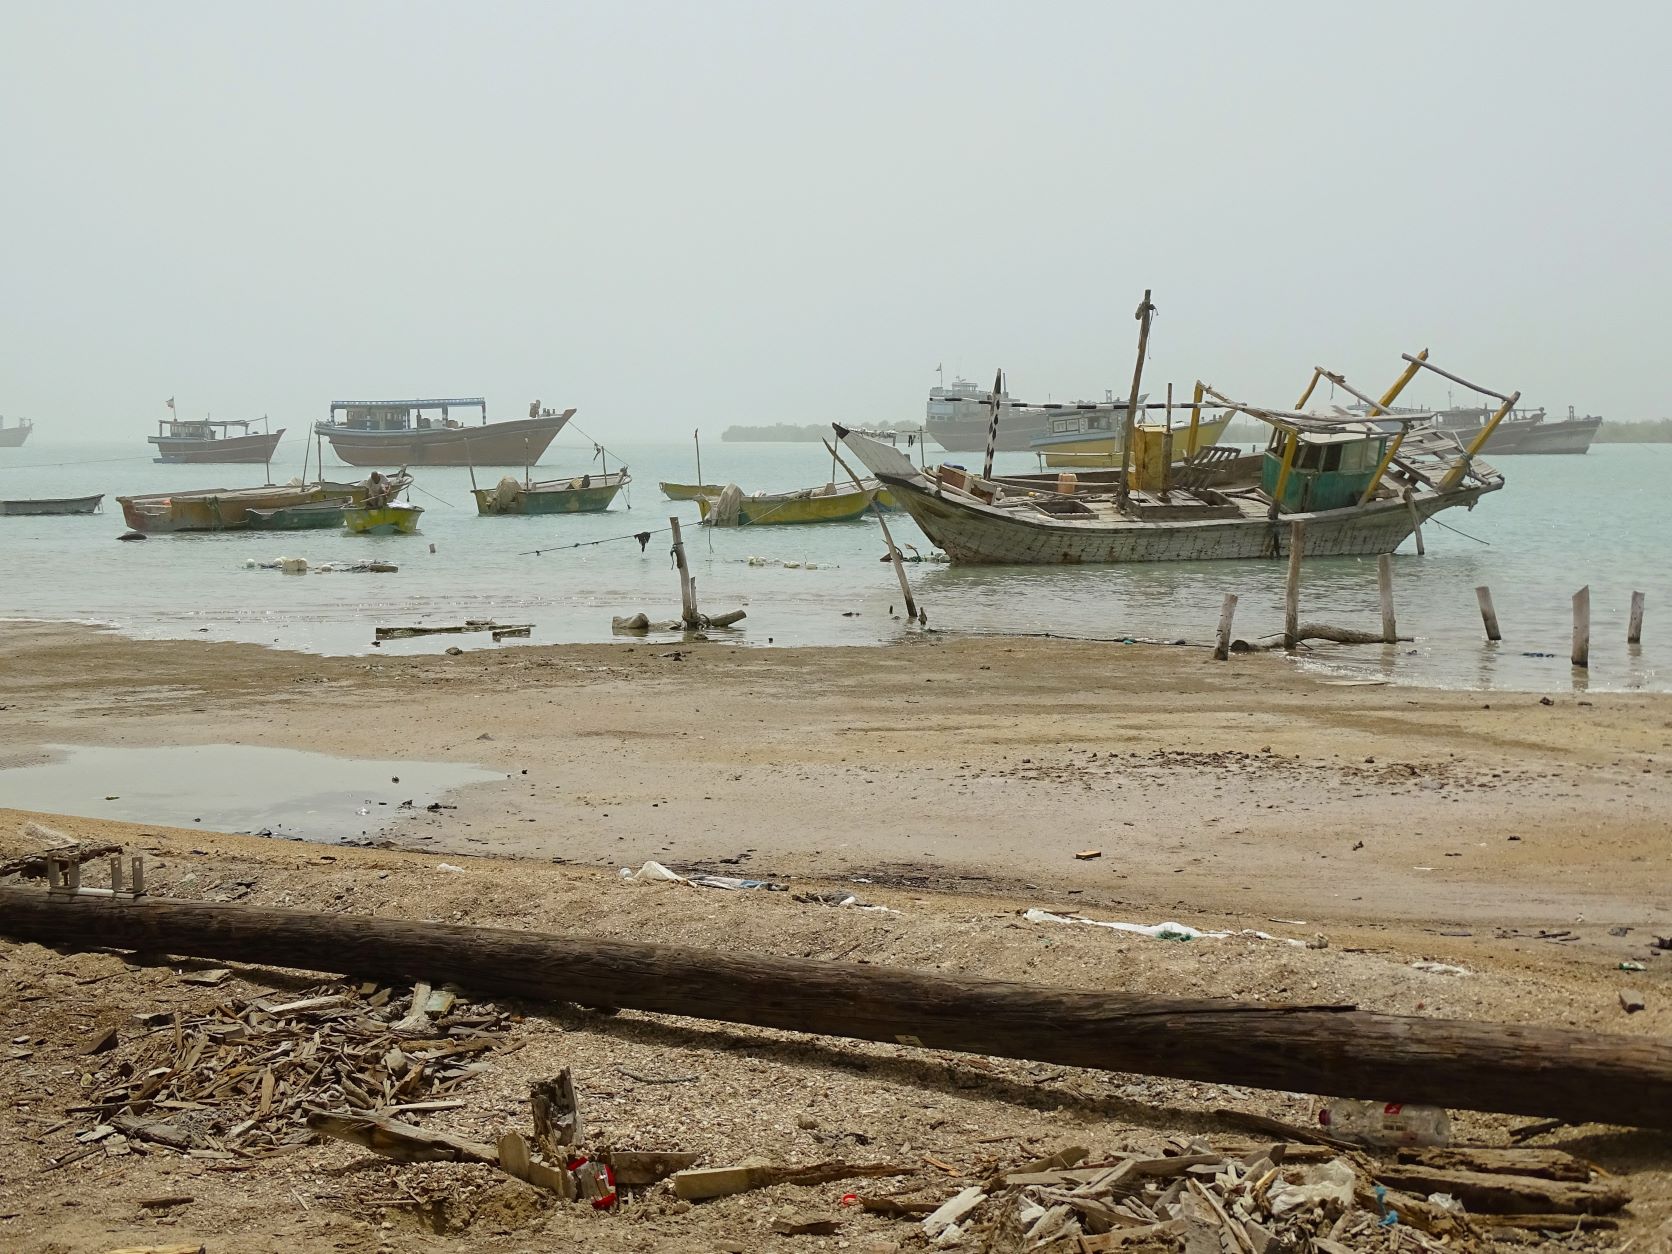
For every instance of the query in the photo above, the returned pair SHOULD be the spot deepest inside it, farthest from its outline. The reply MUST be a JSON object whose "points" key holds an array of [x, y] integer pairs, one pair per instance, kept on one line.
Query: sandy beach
{"points": [[952, 781]]}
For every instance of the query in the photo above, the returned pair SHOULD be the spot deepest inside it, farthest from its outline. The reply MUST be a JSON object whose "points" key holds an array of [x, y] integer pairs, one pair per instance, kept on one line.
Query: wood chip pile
{"points": [[238, 1083]]}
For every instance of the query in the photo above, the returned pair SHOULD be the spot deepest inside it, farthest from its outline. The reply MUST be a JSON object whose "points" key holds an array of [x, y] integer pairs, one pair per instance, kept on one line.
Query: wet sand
{"points": [[980, 764]]}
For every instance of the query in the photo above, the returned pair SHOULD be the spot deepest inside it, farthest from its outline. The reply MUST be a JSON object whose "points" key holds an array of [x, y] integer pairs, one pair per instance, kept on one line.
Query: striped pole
{"points": [[993, 426]]}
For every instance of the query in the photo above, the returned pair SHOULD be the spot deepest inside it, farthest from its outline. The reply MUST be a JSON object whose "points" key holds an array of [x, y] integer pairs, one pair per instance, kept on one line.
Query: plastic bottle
{"points": [[1382, 1124]]}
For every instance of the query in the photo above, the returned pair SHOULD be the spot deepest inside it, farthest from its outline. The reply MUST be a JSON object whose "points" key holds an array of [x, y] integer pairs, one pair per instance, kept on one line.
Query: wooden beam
{"points": [[1222, 636], [1421, 362], [1488, 615], [1634, 625], [1291, 587], [1145, 312], [1582, 627], [1327, 1049], [1384, 584]]}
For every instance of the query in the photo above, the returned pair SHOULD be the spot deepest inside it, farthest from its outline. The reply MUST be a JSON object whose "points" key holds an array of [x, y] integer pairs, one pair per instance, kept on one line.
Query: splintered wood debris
{"points": [[239, 1082]]}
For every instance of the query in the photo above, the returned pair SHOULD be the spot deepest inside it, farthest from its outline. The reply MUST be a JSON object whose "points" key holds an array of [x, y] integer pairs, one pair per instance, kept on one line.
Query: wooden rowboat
{"points": [[395, 518], [826, 504], [229, 509], [311, 516], [691, 491], [583, 494], [52, 505]]}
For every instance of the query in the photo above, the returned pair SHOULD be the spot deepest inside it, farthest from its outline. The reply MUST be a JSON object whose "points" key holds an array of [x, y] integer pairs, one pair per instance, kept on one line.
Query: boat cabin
{"points": [[1307, 470], [412, 415], [201, 429]]}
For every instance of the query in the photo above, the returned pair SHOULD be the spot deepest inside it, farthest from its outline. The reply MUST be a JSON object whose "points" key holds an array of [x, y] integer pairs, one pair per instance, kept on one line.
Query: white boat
{"points": [[957, 418]]}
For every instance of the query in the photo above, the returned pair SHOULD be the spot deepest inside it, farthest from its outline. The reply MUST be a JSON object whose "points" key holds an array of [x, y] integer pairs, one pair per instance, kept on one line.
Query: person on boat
{"points": [[377, 490]]}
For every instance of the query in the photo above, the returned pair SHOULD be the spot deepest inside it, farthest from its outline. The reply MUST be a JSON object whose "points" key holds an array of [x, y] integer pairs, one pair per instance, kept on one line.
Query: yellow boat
{"points": [[395, 518], [810, 505], [691, 491], [1090, 441]]}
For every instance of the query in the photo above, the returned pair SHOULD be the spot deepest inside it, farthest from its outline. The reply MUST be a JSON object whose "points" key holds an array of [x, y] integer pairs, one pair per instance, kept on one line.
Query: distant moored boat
{"points": [[53, 505], [401, 433], [16, 434], [208, 442]]}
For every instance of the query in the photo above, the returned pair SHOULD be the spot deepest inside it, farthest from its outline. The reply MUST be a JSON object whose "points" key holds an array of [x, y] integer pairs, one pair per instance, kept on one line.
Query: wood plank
{"points": [[1500, 1194], [1550, 1164], [400, 1141]]}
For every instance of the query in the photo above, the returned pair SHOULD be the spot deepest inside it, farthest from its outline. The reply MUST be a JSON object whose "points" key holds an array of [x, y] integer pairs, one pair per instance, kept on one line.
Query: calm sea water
{"points": [[1562, 522]]}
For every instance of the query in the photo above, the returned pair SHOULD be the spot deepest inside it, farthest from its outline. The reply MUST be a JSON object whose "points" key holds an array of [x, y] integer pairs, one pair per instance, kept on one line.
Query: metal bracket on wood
{"points": [[63, 877]]}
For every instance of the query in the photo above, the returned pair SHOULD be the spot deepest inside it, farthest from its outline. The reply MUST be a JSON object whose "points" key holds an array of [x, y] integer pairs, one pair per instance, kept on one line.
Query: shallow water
{"points": [[1561, 522], [234, 788]]}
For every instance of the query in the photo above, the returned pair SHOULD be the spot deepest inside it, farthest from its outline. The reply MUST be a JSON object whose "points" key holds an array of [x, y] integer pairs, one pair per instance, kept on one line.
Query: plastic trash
{"points": [[651, 873], [448, 866], [1326, 1184], [1156, 931], [1385, 1123]]}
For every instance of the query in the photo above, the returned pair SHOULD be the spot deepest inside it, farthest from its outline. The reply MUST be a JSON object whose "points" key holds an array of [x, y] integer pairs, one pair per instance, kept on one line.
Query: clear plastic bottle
{"points": [[1384, 1123]]}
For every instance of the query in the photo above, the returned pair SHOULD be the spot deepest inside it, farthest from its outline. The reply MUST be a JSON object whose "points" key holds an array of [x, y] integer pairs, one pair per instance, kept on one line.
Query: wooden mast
{"points": [[1146, 311]]}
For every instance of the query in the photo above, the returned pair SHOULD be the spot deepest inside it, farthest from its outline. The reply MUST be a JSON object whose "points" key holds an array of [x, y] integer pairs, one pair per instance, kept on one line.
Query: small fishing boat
{"points": [[213, 443], [402, 433], [14, 435], [828, 504], [582, 494], [309, 516], [52, 505], [690, 491], [394, 518], [229, 509]]}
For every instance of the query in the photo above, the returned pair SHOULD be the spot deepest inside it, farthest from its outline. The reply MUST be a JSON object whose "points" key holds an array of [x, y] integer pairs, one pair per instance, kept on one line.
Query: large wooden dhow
{"points": [[403, 433], [1359, 488]]}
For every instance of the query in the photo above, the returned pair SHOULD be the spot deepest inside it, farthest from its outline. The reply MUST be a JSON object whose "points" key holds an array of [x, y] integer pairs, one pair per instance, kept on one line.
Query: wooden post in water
{"points": [[1416, 522], [1582, 627], [1634, 625], [1291, 592], [1488, 615], [887, 537], [1384, 580], [687, 585], [1222, 638], [696, 438]]}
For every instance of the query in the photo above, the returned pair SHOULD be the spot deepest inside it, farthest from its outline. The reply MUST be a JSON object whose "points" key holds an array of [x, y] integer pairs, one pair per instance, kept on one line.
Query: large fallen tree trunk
{"points": [[1578, 1076]]}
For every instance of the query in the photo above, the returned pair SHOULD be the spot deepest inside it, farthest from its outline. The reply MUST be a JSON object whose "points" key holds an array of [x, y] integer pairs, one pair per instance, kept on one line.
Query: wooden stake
{"points": [[1634, 626], [1384, 580], [1291, 590], [687, 585], [696, 438], [1582, 627], [1488, 615], [887, 537], [1222, 638], [1416, 522], [1528, 1069]]}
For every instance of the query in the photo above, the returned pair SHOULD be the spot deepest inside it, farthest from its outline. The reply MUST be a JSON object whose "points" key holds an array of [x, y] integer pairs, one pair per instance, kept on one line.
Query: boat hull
{"points": [[780, 511], [690, 491], [970, 534], [312, 517], [974, 534], [564, 500], [382, 520], [1017, 432], [226, 509], [57, 505], [520, 442], [234, 450], [1512, 438], [13, 437]]}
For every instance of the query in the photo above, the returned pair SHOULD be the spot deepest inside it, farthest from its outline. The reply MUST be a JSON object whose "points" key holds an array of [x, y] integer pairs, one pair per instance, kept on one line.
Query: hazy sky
{"points": [[672, 215]]}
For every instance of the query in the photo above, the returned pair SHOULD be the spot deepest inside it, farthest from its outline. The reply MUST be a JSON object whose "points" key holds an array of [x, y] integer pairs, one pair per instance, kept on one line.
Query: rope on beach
{"points": [[643, 538]]}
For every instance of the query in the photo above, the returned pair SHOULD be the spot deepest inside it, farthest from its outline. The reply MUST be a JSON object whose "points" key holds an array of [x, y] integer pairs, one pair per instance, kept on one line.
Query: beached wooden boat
{"points": [[690, 491], [187, 440], [402, 433], [228, 509], [393, 518], [52, 505], [309, 516], [828, 504], [581, 494], [1360, 488]]}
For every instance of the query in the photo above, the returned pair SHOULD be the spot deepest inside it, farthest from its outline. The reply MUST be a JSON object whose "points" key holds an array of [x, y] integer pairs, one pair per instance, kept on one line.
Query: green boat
{"points": [[584, 494], [309, 516]]}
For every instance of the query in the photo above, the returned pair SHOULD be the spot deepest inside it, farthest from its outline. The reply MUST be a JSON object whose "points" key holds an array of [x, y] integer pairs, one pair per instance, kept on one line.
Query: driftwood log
{"points": [[1335, 1050]]}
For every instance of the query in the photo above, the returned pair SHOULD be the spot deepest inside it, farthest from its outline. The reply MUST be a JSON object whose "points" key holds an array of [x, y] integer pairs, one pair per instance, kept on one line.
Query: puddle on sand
{"points": [[234, 788]]}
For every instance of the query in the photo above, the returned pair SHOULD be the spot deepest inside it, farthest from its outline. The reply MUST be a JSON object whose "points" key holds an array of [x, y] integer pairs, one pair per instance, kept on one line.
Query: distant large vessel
{"points": [[959, 415], [16, 434], [211, 443], [401, 433], [1523, 431]]}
